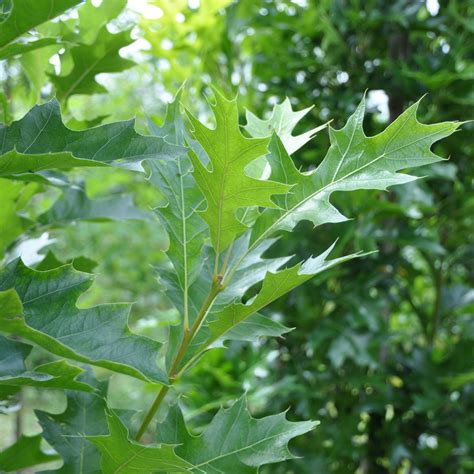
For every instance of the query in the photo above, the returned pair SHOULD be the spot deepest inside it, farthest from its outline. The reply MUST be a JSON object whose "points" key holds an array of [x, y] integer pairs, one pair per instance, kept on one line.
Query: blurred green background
{"points": [[383, 352]]}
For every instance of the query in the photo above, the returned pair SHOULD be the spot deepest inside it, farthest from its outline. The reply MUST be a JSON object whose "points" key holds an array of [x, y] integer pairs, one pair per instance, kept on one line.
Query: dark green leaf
{"points": [[120, 454], [51, 319], [233, 441]]}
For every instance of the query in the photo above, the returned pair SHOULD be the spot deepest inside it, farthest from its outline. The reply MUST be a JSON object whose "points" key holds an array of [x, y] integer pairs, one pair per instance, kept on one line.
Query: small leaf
{"points": [[50, 318], [120, 454], [26, 452], [225, 184], [102, 56], [282, 122], [233, 441]]}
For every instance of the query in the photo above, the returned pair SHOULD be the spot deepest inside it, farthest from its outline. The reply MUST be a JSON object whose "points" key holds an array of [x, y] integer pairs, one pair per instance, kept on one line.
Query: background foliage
{"points": [[383, 351]]}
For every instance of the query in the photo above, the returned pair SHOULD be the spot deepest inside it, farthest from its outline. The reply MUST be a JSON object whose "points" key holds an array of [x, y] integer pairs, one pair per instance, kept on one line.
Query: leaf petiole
{"points": [[188, 336]]}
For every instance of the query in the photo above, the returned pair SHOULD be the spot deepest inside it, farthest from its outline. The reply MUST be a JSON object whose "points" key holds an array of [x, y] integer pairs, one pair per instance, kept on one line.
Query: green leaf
{"points": [[41, 141], [92, 19], [26, 14], [17, 49], [254, 327], [120, 454], [102, 56], [26, 452], [13, 162], [225, 184], [179, 214], [354, 161], [67, 431], [75, 205], [10, 195], [233, 441], [57, 374], [275, 284], [282, 122], [50, 318], [10, 304]]}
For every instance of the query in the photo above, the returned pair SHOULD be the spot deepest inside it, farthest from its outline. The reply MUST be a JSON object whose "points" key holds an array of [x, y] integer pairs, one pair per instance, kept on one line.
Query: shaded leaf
{"points": [[50, 318], [40, 141], [67, 431], [120, 454], [179, 214], [75, 205], [57, 374]]}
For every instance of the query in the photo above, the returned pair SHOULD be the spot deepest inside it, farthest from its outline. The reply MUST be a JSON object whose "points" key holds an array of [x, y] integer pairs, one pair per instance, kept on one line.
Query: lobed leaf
{"points": [[50, 318], [101, 56], [223, 181], [66, 432], [233, 441], [179, 214], [120, 454], [41, 141], [275, 284], [354, 161], [282, 122]]}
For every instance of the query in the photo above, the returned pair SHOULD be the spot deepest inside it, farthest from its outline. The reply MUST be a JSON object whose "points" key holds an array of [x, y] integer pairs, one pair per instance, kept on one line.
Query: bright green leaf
{"points": [[354, 161], [224, 183], [282, 122], [102, 56], [26, 14]]}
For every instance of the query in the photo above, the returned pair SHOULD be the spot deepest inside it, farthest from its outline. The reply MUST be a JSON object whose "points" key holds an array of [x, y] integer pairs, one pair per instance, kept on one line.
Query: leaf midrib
{"points": [[230, 453], [321, 190]]}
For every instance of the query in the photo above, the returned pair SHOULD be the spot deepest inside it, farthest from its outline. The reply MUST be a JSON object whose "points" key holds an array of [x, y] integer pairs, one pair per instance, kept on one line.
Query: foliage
{"points": [[377, 352]]}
